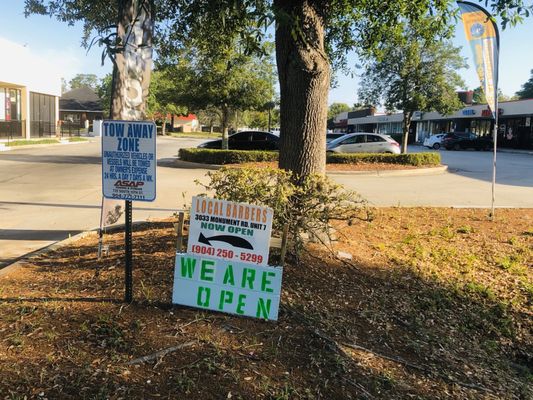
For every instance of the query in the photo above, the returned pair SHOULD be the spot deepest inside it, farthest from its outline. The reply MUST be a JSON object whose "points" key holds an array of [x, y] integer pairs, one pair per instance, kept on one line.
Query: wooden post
{"points": [[179, 232], [284, 244]]}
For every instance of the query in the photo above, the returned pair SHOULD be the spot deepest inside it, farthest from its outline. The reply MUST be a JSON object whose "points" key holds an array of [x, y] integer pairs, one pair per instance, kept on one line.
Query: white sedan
{"points": [[362, 142], [434, 141]]}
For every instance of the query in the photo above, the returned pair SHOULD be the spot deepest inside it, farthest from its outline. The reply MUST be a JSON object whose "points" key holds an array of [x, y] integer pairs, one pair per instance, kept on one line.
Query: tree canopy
{"points": [[337, 108], [84, 80], [414, 73], [310, 36], [478, 96], [527, 89]]}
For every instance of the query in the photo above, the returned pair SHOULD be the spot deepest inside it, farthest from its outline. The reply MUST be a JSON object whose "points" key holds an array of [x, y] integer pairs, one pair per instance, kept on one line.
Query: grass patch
{"points": [[77, 139], [15, 143]]}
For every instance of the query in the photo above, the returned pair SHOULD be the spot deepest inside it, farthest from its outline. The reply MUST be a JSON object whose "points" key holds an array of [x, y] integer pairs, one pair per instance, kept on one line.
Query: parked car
{"points": [[434, 141], [362, 142], [246, 140], [466, 140]]}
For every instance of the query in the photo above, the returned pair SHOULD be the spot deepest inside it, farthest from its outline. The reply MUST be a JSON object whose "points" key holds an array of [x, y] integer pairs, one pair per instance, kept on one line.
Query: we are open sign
{"points": [[219, 285]]}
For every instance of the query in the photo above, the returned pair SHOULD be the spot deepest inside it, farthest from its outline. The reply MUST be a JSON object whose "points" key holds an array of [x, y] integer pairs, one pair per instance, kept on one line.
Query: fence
{"points": [[42, 129], [69, 128], [12, 129]]}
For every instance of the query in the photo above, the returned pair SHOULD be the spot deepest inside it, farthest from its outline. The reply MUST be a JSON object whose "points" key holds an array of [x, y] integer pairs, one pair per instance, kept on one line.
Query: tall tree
{"points": [[414, 72], [84, 80], [229, 82], [527, 89], [478, 96], [337, 108], [104, 92], [310, 36], [163, 99]]}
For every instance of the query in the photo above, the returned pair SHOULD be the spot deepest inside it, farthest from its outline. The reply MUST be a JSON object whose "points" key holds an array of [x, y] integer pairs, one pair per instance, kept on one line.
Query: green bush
{"points": [[221, 157], [308, 205], [416, 159]]}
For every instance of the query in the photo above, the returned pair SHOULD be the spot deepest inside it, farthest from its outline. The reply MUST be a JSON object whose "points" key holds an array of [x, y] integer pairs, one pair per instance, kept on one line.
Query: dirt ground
{"points": [[434, 304]]}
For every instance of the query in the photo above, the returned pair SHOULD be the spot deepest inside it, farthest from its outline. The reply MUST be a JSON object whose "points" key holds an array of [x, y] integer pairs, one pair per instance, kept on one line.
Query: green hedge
{"points": [[220, 157], [416, 159]]}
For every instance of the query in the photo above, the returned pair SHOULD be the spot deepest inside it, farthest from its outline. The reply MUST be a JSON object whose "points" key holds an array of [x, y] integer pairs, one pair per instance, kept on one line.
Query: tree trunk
{"points": [[164, 127], [134, 63], [224, 122], [406, 125], [304, 78]]}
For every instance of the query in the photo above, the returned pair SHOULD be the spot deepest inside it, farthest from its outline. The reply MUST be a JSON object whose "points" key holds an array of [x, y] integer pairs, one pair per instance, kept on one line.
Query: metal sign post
{"points": [[129, 173], [128, 276]]}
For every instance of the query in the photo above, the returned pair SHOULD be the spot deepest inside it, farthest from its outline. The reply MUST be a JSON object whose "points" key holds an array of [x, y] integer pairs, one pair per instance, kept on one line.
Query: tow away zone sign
{"points": [[129, 160]]}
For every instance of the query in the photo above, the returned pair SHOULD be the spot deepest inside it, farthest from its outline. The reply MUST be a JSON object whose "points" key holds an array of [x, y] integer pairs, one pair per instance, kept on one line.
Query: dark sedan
{"points": [[466, 140], [246, 140]]}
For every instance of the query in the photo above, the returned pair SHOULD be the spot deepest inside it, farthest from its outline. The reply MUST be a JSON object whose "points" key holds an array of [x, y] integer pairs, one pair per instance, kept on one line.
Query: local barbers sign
{"points": [[225, 267], [227, 286], [229, 230]]}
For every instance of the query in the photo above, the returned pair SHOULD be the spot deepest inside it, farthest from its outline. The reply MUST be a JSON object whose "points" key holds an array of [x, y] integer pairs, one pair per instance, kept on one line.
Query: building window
{"points": [[9, 104]]}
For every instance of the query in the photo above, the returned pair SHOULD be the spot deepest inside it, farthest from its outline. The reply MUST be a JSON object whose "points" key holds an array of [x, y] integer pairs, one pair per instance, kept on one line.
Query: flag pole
{"points": [[495, 140]]}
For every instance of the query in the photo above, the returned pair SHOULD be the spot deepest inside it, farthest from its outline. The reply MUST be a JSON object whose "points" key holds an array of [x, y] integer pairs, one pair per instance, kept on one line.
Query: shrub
{"points": [[415, 159], [308, 205], [221, 157]]}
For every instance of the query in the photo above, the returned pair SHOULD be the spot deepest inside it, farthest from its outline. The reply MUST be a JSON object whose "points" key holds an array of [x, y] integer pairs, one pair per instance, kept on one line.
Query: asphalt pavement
{"points": [[49, 193]]}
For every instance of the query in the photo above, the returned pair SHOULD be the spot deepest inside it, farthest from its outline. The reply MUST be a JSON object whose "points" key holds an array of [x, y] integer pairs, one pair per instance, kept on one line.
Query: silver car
{"points": [[362, 142]]}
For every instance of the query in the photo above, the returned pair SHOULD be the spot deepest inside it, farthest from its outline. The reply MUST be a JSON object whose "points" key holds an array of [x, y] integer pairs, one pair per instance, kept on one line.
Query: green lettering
{"points": [[206, 273], [226, 297], [206, 297], [187, 267], [241, 304], [228, 276], [265, 281], [263, 309], [248, 274]]}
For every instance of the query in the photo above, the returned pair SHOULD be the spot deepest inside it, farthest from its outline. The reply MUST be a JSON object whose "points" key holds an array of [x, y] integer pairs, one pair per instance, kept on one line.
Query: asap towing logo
{"points": [[128, 184]]}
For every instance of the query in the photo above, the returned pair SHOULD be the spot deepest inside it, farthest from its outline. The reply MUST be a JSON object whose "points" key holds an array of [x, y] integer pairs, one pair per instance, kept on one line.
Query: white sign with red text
{"points": [[230, 231]]}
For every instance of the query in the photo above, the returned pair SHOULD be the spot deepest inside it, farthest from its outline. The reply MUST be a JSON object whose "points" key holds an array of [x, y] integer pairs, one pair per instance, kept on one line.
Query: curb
{"points": [[397, 172], [24, 259], [394, 172]]}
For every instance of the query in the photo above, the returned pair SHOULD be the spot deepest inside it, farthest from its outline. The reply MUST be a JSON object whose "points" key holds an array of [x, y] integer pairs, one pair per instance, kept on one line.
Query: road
{"points": [[468, 182], [49, 193]]}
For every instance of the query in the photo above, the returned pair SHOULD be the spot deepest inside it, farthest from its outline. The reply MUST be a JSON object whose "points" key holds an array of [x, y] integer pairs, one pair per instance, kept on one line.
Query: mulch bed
{"points": [[435, 304]]}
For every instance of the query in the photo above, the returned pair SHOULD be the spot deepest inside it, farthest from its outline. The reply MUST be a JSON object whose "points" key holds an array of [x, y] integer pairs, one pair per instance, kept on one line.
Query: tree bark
{"points": [[134, 62], [224, 122], [407, 116], [164, 127], [304, 78]]}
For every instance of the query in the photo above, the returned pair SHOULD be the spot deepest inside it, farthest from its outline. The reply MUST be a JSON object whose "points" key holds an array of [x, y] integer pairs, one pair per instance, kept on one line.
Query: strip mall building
{"points": [[29, 94], [515, 128]]}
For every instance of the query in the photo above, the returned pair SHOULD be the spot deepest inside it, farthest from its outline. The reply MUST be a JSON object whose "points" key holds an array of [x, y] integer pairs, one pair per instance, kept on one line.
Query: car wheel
{"points": [[436, 146], [456, 146]]}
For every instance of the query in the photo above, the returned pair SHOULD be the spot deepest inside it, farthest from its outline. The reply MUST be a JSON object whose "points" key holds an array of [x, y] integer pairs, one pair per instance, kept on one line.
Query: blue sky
{"points": [[61, 44]]}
